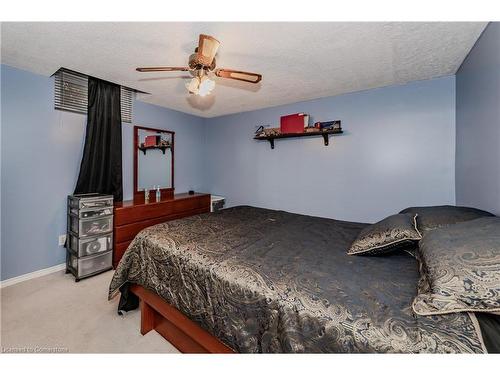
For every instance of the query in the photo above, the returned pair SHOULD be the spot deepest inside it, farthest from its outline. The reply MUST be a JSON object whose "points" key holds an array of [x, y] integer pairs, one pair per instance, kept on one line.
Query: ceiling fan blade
{"points": [[207, 48], [164, 69], [238, 75]]}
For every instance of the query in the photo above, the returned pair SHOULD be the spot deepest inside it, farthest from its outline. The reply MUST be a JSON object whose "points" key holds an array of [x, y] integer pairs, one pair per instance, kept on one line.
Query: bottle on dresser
{"points": [[158, 193]]}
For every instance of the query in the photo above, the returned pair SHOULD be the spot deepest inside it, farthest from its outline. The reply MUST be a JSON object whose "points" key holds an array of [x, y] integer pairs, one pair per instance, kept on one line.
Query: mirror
{"points": [[154, 160]]}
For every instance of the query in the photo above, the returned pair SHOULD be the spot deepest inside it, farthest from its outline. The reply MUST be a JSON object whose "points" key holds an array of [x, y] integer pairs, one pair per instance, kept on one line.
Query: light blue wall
{"points": [[40, 156], [478, 124], [189, 143], [41, 151], [397, 151]]}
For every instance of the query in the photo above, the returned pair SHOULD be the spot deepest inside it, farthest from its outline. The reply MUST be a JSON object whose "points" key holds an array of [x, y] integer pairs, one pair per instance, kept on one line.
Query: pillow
{"points": [[460, 268], [394, 232], [433, 217]]}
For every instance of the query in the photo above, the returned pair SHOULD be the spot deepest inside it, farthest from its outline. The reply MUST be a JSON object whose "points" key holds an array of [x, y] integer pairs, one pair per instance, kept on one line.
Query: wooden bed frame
{"points": [[174, 326]]}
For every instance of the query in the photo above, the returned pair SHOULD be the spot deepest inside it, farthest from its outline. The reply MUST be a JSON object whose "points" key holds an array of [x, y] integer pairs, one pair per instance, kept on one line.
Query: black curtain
{"points": [[101, 167]]}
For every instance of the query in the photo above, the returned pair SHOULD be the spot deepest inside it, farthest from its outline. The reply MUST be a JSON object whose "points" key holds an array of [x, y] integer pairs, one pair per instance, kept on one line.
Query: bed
{"points": [[253, 280]]}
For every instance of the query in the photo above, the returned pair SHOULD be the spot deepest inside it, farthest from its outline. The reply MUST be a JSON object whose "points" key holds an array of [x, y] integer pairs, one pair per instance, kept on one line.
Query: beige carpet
{"points": [[54, 312]]}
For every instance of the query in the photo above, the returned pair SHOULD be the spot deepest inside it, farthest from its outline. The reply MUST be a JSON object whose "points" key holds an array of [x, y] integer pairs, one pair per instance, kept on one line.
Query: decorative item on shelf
{"points": [[151, 141], [260, 131], [263, 132], [330, 125], [164, 143], [266, 132], [295, 123], [270, 132]]}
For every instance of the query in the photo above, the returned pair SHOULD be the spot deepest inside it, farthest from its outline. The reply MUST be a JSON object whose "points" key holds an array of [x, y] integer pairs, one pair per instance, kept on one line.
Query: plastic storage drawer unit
{"points": [[90, 234]]}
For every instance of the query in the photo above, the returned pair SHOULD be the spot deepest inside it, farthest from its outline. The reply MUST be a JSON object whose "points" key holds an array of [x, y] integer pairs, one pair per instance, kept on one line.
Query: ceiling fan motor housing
{"points": [[196, 64]]}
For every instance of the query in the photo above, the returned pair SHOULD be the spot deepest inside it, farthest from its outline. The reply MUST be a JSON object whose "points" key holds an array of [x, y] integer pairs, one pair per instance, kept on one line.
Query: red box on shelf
{"points": [[293, 123], [150, 140]]}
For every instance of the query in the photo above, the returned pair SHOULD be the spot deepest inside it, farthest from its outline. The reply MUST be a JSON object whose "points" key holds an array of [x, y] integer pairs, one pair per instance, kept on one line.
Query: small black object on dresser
{"points": [[90, 235]]}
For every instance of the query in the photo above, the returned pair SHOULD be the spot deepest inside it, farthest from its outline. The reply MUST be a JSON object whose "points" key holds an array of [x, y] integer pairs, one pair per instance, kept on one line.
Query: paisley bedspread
{"points": [[270, 281]]}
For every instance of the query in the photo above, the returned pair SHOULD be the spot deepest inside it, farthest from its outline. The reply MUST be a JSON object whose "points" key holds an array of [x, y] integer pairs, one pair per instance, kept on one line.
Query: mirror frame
{"points": [[165, 193]]}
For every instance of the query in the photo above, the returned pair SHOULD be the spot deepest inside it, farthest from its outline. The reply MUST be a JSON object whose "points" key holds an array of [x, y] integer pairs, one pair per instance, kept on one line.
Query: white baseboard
{"points": [[32, 275]]}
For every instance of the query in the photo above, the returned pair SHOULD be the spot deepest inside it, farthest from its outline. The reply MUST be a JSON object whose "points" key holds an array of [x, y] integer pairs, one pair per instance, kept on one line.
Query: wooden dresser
{"points": [[133, 216]]}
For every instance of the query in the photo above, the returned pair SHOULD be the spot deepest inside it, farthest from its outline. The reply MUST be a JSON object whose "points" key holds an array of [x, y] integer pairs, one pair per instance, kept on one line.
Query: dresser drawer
{"points": [[128, 232], [142, 212], [130, 217]]}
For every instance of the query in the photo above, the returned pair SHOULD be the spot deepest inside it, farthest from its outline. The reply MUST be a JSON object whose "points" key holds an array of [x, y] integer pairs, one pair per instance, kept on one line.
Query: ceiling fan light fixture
{"points": [[193, 85], [206, 86], [201, 86]]}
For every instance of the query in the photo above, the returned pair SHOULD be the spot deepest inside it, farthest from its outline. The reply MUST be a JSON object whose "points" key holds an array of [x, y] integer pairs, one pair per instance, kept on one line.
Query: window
{"points": [[126, 99], [71, 90]]}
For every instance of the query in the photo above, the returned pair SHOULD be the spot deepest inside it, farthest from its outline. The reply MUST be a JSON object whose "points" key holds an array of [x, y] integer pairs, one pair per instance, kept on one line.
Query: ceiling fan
{"points": [[201, 65]]}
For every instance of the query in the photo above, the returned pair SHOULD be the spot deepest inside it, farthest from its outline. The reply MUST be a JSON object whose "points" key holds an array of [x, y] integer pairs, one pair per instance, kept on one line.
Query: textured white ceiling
{"points": [[298, 61]]}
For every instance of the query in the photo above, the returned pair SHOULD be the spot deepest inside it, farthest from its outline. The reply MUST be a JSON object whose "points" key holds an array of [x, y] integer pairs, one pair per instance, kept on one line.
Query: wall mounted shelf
{"points": [[325, 135], [162, 148]]}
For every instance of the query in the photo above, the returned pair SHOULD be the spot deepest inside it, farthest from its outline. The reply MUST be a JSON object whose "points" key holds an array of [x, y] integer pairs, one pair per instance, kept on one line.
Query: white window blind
{"points": [[70, 91], [71, 94], [127, 98]]}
